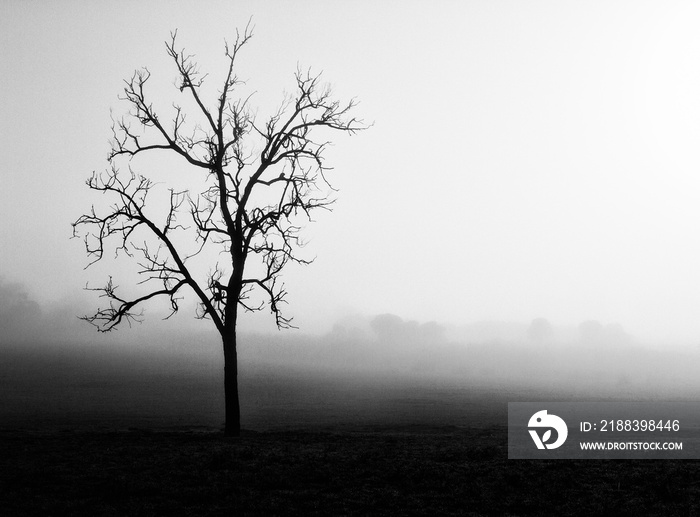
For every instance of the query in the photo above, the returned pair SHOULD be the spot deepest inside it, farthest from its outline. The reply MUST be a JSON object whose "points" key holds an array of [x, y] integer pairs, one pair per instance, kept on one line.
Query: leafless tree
{"points": [[262, 180]]}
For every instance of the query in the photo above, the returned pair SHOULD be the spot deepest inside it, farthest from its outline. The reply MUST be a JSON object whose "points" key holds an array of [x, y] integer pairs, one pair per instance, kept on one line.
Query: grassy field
{"points": [[401, 470], [99, 438]]}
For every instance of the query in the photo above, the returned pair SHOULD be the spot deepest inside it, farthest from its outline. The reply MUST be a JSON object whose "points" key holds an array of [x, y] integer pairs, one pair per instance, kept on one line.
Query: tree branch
{"points": [[259, 182]]}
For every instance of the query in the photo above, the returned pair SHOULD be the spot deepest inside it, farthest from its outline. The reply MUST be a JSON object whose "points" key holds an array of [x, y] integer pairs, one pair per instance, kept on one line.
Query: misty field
{"points": [[97, 431]]}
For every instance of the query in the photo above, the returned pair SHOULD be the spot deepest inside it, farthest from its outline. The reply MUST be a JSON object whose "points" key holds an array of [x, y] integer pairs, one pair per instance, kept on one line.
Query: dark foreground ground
{"points": [[85, 435], [412, 470]]}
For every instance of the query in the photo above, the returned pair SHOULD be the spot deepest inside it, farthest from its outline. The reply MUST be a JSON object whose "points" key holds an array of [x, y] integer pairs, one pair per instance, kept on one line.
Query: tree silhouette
{"points": [[540, 329], [260, 182]]}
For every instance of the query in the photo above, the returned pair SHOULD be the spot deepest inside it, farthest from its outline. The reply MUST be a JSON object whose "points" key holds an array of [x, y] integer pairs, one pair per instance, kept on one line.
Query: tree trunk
{"points": [[233, 412]]}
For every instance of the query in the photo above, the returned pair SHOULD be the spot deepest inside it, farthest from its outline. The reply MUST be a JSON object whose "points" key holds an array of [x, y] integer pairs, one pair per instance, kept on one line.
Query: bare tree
{"points": [[261, 182]]}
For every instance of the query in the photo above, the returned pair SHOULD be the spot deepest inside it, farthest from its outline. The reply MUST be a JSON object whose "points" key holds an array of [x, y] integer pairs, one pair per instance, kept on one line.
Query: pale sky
{"points": [[527, 159]]}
